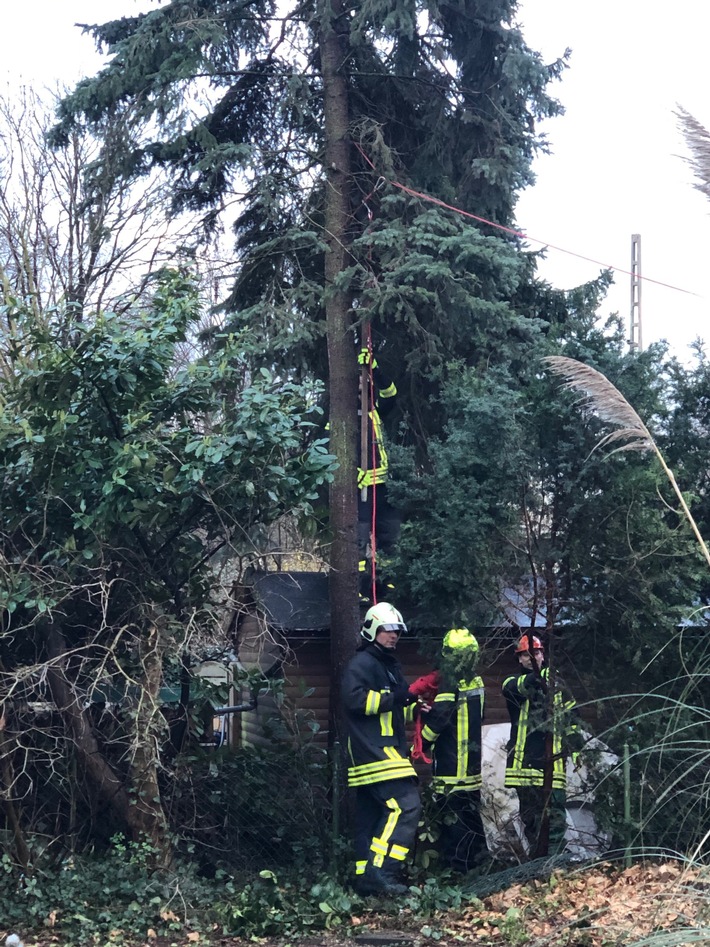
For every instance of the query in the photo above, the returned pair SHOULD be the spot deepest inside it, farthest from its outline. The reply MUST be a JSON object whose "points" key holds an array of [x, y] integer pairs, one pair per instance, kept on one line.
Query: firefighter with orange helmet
{"points": [[541, 724], [377, 702]]}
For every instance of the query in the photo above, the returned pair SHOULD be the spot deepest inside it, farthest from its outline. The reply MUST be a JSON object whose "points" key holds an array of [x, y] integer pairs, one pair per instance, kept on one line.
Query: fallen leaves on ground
{"points": [[603, 906], [592, 907]]}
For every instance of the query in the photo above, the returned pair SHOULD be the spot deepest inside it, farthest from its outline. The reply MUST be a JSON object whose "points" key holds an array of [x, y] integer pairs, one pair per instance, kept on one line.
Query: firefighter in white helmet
{"points": [[544, 727], [376, 698]]}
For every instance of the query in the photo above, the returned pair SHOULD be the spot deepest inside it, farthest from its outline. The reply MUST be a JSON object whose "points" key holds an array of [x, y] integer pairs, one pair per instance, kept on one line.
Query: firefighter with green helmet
{"points": [[377, 702], [544, 728], [451, 734]]}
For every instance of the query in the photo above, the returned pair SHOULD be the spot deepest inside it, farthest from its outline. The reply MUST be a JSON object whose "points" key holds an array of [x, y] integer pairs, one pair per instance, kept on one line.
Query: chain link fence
{"points": [[253, 807]]}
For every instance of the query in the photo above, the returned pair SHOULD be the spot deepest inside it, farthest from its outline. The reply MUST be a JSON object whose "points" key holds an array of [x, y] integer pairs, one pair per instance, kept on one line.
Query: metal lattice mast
{"points": [[635, 337]]}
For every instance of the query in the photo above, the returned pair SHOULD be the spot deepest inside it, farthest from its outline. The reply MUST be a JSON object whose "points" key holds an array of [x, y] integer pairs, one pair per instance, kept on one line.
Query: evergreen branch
{"points": [[611, 406]]}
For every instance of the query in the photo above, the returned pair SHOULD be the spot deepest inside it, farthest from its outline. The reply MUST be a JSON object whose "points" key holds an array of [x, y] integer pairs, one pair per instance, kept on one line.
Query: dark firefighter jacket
{"points": [[374, 469], [377, 741], [528, 706], [452, 728]]}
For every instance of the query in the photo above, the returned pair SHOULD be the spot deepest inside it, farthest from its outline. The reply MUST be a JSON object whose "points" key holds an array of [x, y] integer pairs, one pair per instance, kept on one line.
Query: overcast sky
{"points": [[615, 167]]}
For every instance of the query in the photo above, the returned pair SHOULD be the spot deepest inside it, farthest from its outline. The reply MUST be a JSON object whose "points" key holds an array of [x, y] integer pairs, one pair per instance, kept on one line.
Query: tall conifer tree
{"points": [[316, 116]]}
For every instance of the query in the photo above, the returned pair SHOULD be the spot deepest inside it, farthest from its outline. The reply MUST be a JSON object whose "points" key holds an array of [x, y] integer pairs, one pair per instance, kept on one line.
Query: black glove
{"points": [[401, 696], [574, 741], [534, 683]]}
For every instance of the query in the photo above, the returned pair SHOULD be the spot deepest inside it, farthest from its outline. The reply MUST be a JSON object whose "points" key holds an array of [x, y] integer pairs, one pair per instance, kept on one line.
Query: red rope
{"points": [[370, 408], [519, 233]]}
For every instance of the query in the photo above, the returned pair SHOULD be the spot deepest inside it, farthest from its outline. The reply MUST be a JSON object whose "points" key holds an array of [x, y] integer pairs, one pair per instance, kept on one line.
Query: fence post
{"points": [[627, 804], [336, 808]]}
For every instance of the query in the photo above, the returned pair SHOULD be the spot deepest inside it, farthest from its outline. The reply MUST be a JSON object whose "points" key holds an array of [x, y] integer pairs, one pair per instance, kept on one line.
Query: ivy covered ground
{"points": [[665, 903]]}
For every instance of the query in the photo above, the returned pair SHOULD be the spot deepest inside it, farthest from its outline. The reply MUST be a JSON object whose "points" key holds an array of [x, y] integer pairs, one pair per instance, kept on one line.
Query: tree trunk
{"points": [[149, 726], [109, 787], [138, 809], [343, 385], [7, 781], [543, 840], [342, 361]]}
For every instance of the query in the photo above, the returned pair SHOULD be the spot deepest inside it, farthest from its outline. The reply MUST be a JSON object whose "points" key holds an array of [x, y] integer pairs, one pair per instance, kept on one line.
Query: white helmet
{"points": [[382, 617]]}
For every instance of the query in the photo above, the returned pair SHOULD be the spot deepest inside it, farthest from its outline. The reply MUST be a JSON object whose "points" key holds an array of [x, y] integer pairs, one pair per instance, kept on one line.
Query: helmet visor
{"points": [[392, 626]]}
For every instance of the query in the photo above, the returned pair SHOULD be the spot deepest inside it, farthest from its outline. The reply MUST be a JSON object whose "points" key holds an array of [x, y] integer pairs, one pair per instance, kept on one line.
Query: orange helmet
{"points": [[523, 644]]}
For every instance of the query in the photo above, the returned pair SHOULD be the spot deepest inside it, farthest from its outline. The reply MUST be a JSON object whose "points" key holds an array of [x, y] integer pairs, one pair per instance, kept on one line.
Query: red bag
{"points": [[426, 687]]}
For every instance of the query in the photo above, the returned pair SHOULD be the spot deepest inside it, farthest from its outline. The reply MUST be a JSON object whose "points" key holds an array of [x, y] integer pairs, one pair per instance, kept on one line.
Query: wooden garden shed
{"points": [[285, 632]]}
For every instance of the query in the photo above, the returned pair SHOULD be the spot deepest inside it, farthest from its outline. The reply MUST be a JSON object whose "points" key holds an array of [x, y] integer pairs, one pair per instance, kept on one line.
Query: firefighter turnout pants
{"points": [[532, 803], [463, 839], [386, 820]]}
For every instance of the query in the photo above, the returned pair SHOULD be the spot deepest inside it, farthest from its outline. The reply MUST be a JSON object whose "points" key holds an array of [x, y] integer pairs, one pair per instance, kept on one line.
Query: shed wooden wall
{"points": [[307, 690]]}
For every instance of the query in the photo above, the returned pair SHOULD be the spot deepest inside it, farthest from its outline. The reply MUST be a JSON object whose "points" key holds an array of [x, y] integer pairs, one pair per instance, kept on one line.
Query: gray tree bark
{"points": [[342, 362]]}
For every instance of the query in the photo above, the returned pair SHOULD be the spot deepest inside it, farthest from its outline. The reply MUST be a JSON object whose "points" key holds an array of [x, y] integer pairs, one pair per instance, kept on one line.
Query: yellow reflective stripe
{"points": [[360, 867], [377, 765], [379, 845], [403, 771], [533, 777], [556, 747], [445, 698], [398, 852], [386, 724], [557, 712], [473, 685], [428, 734], [462, 754], [377, 772], [362, 565], [389, 392], [366, 478], [392, 756], [467, 784], [409, 712], [519, 752], [372, 703], [376, 426]]}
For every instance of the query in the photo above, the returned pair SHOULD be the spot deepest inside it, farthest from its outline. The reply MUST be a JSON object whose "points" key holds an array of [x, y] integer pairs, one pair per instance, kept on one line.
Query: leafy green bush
{"points": [[436, 895], [86, 897], [270, 906]]}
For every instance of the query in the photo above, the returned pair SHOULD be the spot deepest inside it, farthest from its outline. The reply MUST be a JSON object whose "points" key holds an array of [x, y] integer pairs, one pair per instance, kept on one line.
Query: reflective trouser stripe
{"points": [[536, 777], [360, 866], [398, 852], [379, 845], [465, 784], [380, 771]]}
